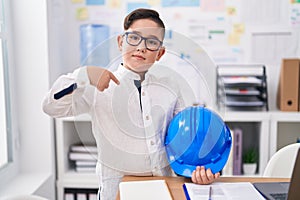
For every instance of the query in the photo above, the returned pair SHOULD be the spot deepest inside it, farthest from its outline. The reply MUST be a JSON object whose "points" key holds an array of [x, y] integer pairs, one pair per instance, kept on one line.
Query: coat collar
{"points": [[123, 71]]}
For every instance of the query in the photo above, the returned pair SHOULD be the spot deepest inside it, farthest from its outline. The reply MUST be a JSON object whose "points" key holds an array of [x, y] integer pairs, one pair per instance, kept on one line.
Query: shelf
{"points": [[247, 116], [252, 137], [285, 116], [284, 129], [69, 131], [263, 129], [81, 180], [250, 116], [77, 182]]}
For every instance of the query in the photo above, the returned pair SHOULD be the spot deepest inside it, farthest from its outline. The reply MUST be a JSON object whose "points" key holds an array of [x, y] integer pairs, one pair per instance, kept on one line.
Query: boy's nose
{"points": [[142, 46]]}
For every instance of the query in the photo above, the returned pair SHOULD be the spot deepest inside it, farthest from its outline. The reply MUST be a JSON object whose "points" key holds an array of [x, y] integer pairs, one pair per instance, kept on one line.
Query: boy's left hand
{"points": [[202, 176]]}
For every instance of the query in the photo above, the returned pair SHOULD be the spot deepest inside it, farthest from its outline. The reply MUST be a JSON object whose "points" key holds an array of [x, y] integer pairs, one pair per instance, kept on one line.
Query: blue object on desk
{"points": [[197, 136]]}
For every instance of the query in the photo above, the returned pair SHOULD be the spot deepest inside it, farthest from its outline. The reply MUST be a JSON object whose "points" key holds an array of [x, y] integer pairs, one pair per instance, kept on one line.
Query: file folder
{"points": [[237, 151], [288, 88]]}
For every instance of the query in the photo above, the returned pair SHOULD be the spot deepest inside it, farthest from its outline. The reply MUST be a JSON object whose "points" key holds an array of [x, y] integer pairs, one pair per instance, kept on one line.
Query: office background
{"points": [[231, 31], [47, 44]]}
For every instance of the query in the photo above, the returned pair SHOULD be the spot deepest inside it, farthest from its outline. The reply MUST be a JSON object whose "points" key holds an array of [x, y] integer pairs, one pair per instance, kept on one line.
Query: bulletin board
{"points": [[223, 27], [230, 31]]}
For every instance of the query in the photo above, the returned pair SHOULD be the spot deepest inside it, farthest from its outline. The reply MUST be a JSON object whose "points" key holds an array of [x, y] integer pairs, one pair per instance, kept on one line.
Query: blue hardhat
{"points": [[197, 136]]}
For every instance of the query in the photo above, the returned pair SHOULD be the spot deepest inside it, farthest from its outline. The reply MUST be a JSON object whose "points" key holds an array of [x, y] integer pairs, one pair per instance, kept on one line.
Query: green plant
{"points": [[250, 156]]}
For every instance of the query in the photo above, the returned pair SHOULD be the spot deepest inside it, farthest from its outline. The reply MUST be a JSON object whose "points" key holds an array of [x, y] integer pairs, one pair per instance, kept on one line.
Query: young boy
{"points": [[130, 108]]}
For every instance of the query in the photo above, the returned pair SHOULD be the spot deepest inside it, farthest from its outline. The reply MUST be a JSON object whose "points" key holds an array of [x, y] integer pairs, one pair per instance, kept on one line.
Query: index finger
{"points": [[112, 77]]}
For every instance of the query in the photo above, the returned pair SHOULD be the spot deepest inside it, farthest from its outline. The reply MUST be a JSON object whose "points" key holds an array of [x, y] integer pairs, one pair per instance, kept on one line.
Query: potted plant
{"points": [[250, 158]]}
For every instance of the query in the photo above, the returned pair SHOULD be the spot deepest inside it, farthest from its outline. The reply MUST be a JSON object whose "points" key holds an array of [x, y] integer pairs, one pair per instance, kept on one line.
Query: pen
{"points": [[209, 194], [66, 91]]}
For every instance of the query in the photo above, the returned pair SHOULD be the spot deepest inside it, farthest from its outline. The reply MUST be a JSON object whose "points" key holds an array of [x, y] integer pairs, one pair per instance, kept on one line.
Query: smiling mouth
{"points": [[139, 57]]}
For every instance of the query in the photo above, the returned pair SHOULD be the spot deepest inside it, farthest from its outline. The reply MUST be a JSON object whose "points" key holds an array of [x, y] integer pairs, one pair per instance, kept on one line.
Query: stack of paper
{"points": [[146, 190], [242, 80], [84, 156]]}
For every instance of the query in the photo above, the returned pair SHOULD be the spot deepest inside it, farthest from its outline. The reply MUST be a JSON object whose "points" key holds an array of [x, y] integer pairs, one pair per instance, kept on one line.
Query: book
{"points": [[81, 196], [92, 196], [85, 163], [82, 156], [69, 196], [237, 151], [221, 191], [85, 169], [91, 148], [146, 190]]}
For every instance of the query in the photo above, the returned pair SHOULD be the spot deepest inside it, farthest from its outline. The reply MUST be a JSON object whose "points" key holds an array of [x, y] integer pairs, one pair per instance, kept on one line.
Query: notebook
{"points": [[282, 191], [146, 190], [221, 191]]}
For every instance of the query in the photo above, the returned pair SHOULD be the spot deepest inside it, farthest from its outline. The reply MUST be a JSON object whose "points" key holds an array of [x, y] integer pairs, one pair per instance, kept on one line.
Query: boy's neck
{"points": [[142, 75]]}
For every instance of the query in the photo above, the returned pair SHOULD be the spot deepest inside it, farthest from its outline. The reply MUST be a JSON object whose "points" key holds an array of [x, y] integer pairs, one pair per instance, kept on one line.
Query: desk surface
{"points": [[175, 183]]}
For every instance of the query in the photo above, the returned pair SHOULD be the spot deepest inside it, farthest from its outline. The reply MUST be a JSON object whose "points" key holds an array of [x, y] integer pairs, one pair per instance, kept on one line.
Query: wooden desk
{"points": [[175, 183]]}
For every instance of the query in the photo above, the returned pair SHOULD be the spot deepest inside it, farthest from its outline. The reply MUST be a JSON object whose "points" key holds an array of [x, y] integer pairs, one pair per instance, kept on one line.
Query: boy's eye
{"points": [[134, 37], [153, 42]]}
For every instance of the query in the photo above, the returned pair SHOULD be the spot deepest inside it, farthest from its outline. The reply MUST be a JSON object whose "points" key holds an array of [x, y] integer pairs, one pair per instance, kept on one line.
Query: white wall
{"points": [[31, 63], [35, 129]]}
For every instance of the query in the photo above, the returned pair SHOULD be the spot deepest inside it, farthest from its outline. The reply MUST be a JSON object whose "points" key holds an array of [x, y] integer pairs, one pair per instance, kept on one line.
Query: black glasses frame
{"points": [[142, 38]]}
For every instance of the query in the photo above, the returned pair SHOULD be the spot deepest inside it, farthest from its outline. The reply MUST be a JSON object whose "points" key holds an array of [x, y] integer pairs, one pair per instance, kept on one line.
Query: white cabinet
{"points": [[72, 131], [269, 131], [284, 129], [255, 127]]}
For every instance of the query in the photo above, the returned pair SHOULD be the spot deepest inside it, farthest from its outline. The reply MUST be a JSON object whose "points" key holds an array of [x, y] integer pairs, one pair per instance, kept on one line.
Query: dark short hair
{"points": [[142, 13]]}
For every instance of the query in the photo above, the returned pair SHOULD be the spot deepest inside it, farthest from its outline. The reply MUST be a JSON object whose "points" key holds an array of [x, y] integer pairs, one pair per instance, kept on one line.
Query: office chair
{"points": [[25, 197], [282, 162]]}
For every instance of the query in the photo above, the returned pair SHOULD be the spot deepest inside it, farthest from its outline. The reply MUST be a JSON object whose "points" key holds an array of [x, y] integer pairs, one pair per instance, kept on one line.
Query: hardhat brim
{"points": [[186, 170]]}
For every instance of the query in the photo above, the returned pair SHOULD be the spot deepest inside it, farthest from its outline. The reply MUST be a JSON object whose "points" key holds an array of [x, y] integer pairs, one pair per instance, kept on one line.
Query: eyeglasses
{"points": [[134, 39]]}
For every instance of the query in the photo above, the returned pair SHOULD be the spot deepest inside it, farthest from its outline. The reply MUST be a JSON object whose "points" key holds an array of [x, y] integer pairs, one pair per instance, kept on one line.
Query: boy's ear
{"points": [[161, 52], [120, 42]]}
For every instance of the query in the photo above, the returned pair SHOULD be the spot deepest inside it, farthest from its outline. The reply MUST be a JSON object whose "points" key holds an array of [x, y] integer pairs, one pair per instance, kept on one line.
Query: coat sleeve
{"points": [[76, 102]]}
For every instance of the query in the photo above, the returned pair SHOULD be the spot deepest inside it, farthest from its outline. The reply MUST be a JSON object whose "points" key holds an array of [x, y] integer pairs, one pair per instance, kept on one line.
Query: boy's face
{"points": [[139, 56]]}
